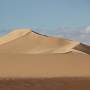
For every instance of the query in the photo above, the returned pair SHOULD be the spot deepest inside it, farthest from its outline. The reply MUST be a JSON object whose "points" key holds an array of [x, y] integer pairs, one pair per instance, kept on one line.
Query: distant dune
{"points": [[25, 53]]}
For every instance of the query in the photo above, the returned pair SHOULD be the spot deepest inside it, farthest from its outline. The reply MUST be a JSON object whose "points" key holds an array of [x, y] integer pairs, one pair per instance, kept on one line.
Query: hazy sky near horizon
{"points": [[48, 15]]}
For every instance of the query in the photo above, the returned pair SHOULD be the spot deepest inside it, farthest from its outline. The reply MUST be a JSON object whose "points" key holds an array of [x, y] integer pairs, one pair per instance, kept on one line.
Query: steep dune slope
{"points": [[27, 41], [13, 35]]}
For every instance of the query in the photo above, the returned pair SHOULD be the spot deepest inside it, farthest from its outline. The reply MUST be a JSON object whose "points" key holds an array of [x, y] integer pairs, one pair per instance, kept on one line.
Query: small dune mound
{"points": [[28, 41]]}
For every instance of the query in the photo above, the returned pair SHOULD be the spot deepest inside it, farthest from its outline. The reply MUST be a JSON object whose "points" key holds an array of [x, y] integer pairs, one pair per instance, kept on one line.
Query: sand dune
{"points": [[25, 53], [27, 41], [13, 35]]}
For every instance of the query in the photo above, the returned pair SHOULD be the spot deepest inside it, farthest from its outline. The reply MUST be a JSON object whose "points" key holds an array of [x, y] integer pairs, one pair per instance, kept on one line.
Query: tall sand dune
{"points": [[28, 41], [25, 53]]}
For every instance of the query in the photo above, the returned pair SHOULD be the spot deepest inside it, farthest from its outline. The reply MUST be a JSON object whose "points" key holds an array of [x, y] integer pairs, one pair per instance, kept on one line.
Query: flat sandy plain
{"points": [[32, 61]]}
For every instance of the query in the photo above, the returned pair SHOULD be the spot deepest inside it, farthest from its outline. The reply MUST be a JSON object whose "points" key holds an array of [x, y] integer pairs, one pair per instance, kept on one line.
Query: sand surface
{"points": [[32, 61], [27, 41], [46, 84], [45, 65], [24, 53]]}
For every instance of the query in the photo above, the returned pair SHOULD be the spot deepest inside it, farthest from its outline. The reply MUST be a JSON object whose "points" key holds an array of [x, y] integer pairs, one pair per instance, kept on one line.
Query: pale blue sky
{"points": [[48, 15]]}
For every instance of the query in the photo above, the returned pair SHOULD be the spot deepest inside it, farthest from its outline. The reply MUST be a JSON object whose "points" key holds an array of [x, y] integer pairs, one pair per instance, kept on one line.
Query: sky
{"points": [[69, 18]]}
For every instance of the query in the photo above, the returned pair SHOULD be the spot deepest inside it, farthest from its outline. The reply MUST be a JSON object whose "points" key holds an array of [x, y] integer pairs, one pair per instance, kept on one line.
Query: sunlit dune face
{"points": [[24, 53], [27, 41]]}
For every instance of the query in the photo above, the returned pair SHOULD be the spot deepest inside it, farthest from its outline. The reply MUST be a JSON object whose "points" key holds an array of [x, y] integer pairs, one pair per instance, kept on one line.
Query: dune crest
{"points": [[28, 41], [13, 35]]}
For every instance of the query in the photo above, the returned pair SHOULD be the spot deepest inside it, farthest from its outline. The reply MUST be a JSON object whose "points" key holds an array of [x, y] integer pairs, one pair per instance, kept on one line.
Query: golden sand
{"points": [[24, 53]]}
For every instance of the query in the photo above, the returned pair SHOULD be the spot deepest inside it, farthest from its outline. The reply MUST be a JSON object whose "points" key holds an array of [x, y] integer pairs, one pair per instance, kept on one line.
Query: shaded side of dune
{"points": [[84, 48], [46, 84], [28, 41], [40, 34]]}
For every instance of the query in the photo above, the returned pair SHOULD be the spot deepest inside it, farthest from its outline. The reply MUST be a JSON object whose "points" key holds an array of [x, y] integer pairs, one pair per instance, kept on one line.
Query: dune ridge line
{"points": [[31, 42]]}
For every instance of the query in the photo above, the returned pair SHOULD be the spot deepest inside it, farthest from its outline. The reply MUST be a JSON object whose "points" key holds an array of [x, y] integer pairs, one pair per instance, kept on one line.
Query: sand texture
{"points": [[28, 54]]}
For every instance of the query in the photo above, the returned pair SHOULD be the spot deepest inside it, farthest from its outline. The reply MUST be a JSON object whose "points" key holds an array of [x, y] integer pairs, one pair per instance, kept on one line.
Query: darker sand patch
{"points": [[84, 48], [68, 83]]}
